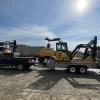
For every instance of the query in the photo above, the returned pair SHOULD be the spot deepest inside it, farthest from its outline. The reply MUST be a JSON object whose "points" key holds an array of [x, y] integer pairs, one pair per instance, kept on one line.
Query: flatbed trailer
{"points": [[67, 64], [74, 66]]}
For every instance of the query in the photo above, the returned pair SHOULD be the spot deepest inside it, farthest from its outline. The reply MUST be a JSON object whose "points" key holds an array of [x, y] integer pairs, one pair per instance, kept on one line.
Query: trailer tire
{"points": [[83, 70], [72, 69], [20, 66]]}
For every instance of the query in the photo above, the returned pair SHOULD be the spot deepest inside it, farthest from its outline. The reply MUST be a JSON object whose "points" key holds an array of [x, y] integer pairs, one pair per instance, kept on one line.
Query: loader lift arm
{"points": [[55, 39]]}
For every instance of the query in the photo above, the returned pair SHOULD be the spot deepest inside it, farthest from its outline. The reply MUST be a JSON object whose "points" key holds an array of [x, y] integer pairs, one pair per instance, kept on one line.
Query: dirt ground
{"points": [[48, 85]]}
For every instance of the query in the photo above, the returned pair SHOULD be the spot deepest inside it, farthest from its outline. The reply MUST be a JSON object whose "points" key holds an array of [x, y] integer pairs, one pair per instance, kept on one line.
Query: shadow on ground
{"points": [[50, 78], [12, 71]]}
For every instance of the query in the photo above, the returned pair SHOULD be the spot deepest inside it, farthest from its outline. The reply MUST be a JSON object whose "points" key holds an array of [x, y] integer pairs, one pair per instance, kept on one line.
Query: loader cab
{"points": [[62, 51], [61, 46]]}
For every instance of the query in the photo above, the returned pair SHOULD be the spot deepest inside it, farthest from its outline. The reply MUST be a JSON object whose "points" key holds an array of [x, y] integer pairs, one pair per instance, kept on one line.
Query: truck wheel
{"points": [[72, 69], [82, 70], [20, 66]]}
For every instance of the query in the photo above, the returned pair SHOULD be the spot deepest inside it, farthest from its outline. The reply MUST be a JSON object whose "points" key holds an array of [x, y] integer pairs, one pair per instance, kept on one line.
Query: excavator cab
{"points": [[61, 46], [61, 51]]}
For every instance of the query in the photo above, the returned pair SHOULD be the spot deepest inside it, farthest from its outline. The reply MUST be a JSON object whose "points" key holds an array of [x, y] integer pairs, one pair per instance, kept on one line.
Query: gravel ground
{"points": [[48, 85]]}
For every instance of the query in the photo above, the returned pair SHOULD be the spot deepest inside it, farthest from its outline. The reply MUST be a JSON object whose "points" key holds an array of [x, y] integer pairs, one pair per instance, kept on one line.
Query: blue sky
{"points": [[30, 21]]}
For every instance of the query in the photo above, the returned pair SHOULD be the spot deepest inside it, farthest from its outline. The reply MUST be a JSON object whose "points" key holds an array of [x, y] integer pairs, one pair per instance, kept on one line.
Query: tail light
{"points": [[29, 60]]}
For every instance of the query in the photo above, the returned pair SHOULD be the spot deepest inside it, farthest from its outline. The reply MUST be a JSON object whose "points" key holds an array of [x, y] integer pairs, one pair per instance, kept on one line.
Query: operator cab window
{"points": [[59, 47], [64, 47]]}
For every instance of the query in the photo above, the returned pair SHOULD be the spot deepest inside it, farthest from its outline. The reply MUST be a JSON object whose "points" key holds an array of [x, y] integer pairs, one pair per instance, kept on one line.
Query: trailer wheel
{"points": [[72, 69], [83, 70], [20, 66]]}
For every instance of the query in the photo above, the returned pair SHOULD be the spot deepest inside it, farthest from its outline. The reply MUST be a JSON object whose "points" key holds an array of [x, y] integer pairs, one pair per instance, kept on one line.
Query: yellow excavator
{"points": [[63, 54], [8, 46]]}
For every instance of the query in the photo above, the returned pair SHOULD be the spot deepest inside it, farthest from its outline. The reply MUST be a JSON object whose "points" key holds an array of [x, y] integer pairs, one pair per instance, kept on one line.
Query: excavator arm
{"points": [[91, 45], [73, 53]]}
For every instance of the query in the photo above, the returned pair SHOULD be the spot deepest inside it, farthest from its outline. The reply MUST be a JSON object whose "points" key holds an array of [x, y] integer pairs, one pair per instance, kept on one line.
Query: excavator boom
{"points": [[92, 45]]}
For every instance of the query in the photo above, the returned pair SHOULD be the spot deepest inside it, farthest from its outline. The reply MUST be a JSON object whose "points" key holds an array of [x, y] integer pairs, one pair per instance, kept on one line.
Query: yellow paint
{"points": [[46, 52], [61, 56], [89, 59]]}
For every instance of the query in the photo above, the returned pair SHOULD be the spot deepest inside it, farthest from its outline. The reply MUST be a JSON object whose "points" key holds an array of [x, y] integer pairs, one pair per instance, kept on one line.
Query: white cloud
{"points": [[83, 31], [33, 34], [61, 17], [34, 31]]}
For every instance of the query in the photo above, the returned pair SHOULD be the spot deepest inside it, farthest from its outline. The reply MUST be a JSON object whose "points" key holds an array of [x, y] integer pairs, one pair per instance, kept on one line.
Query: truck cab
{"points": [[14, 59]]}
